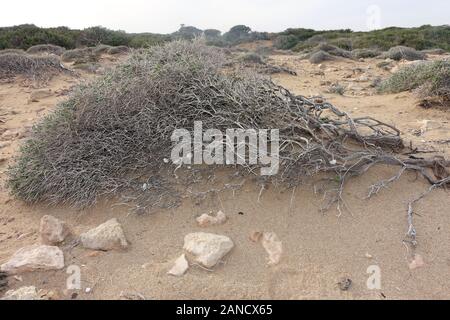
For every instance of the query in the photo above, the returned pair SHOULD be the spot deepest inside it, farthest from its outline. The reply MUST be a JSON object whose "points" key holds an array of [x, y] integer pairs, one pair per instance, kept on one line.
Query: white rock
{"points": [[206, 220], [180, 267], [417, 262], [207, 249], [34, 258], [106, 236], [52, 230], [24, 293], [273, 246]]}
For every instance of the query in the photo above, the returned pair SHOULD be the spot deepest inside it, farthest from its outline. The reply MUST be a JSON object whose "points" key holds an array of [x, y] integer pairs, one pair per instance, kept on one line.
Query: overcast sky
{"points": [[165, 16]]}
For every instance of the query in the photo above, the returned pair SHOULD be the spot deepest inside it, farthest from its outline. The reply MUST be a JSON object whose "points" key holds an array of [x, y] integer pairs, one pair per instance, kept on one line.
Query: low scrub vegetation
{"points": [[430, 79], [404, 53], [47, 49], [33, 67]]}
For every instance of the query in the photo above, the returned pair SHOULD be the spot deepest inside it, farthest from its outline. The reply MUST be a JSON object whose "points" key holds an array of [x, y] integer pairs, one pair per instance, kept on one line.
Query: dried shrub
{"points": [[320, 56], [101, 49], [333, 50], [16, 51], [46, 49], [436, 51], [33, 67], [336, 88], [118, 50], [252, 57], [116, 131], [365, 53], [81, 53], [404, 53]]}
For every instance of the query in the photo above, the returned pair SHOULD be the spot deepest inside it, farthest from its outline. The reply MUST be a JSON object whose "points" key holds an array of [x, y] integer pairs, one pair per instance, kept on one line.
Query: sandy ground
{"points": [[319, 248]]}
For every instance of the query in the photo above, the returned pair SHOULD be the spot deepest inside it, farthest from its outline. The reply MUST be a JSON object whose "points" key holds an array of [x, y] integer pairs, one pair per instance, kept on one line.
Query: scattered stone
{"points": [[12, 134], [88, 290], [4, 144], [207, 249], [345, 284], [368, 256], [206, 220], [48, 295], [52, 230], [106, 236], [93, 254], [417, 262], [18, 278], [37, 95], [35, 258], [24, 293], [273, 247], [180, 267]]}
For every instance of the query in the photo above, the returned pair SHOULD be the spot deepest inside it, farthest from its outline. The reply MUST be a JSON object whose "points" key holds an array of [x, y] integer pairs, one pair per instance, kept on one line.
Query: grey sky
{"points": [[165, 16]]}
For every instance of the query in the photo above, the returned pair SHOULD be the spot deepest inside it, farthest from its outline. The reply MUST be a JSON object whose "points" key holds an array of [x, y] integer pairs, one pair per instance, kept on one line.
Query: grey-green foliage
{"points": [[430, 78]]}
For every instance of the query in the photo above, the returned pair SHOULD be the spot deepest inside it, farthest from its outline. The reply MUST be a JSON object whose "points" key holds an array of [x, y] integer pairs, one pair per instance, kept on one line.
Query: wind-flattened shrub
{"points": [[436, 51], [118, 50], [320, 56], [101, 49], [82, 53], [33, 67], [116, 131], [46, 48], [365, 53], [252, 57], [428, 78], [333, 50], [404, 53], [16, 51]]}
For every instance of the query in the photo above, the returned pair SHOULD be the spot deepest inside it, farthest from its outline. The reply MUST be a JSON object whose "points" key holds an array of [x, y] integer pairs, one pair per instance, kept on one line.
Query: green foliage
{"points": [[26, 36], [187, 33], [96, 35], [425, 37], [432, 79], [401, 52], [238, 34]]}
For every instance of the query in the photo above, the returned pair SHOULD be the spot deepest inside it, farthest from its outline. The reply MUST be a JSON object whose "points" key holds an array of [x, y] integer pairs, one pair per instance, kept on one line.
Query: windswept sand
{"points": [[319, 248]]}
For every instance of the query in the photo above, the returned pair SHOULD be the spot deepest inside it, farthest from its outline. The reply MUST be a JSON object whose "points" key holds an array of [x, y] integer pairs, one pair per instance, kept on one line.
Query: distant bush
{"points": [[187, 33], [34, 67], [285, 42], [436, 51], [431, 79], [16, 51], [406, 53], [320, 56], [365, 53], [26, 36], [46, 48], [72, 55], [101, 49], [336, 88], [333, 50], [237, 34], [425, 37], [343, 43], [252, 57], [118, 50]]}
